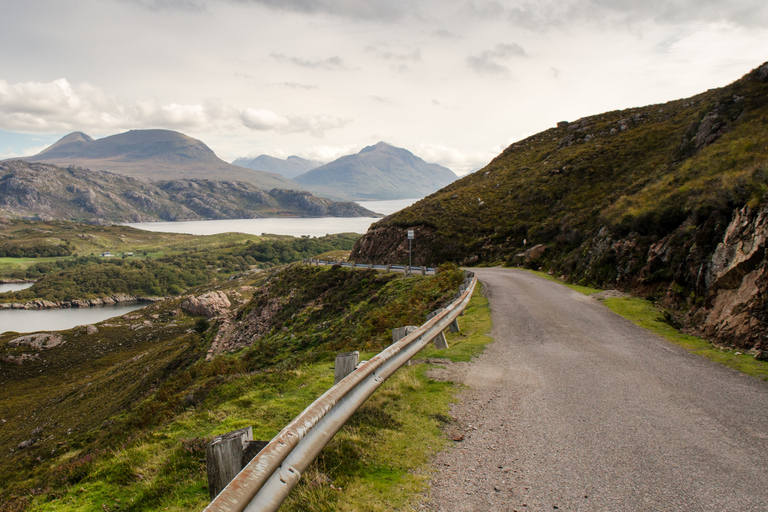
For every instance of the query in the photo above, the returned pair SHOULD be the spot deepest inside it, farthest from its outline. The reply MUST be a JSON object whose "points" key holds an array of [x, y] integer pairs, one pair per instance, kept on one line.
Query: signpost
{"points": [[410, 238]]}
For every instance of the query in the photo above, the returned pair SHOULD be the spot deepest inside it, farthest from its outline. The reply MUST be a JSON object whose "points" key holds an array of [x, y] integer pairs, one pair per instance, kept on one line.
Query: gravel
{"points": [[575, 408]]}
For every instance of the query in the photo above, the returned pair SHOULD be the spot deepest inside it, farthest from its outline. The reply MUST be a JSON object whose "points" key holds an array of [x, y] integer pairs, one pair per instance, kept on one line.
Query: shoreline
{"points": [[78, 303]]}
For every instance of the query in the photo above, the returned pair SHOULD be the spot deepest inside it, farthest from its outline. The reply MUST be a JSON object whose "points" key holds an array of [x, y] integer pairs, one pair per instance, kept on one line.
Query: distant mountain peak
{"points": [[380, 171]]}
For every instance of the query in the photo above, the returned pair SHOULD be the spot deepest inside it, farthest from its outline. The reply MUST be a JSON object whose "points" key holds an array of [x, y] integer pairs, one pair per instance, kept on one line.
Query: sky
{"points": [[453, 81]]}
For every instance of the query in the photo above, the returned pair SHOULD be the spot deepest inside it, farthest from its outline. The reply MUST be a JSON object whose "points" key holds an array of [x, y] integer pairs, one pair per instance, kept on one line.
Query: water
{"points": [[56, 319], [14, 287], [32, 320], [320, 226]]}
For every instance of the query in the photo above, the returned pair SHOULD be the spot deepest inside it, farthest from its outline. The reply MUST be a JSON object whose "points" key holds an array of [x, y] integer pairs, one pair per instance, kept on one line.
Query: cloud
{"points": [[446, 34], [369, 10], [169, 5], [263, 120], [293, 85], [488, 61], [57, 107], [455, 159], [549, 14], [332, 63]]}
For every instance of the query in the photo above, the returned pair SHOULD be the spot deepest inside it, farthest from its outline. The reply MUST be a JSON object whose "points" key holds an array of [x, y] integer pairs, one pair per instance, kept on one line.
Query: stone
{"points": [[91, 329], [209, 304], [38, 341]]}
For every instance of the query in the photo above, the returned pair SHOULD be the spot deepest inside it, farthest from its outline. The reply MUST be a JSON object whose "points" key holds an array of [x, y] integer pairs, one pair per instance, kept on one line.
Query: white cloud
{"points": [[263, 120], [487, 62], [57, 106], [458, 161]]}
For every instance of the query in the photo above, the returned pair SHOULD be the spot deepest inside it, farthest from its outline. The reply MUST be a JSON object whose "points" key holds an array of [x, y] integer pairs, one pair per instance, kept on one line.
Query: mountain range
{"points": [[381, 171], [155, 154], [289, 167], [45, 191], [377, 172], [668, 201]]}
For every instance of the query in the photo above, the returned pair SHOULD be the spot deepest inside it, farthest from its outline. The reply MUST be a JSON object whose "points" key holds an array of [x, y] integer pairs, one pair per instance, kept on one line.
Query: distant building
{"points": [[106, 254]]}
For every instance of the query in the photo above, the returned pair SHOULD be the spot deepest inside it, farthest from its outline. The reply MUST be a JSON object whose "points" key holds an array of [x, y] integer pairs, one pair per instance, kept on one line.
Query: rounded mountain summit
{"points": [[377, 172], [153, 154]]}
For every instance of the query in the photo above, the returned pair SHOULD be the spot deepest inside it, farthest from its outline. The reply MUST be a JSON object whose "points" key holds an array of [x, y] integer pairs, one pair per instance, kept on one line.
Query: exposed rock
{"points": [[38, 341], [209, 304], [26, 444], [91, 329], [534, 253]]}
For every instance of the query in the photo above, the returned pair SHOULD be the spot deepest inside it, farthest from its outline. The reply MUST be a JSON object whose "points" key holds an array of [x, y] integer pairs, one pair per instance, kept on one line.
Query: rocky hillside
{"points": [[34, 190], [381, 171], [289, 167], [668, 201], [153, 154]]}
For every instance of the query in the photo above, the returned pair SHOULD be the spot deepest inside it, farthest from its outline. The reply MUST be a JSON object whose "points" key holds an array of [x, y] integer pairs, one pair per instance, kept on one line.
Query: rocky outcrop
{"points": [[117, 298], [209, 305], [736, 279], [38, 341]]}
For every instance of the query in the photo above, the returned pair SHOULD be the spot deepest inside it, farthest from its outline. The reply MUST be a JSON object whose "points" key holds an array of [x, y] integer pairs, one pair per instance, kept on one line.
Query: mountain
{"points": [[289, 168], [162, 154], [35, 190], [666, 201], [377, 172]]}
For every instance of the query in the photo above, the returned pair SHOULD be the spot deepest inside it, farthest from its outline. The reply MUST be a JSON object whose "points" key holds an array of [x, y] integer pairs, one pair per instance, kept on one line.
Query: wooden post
{"points": [[399, 333], [346, 363], [440, 342], [224, 458]]}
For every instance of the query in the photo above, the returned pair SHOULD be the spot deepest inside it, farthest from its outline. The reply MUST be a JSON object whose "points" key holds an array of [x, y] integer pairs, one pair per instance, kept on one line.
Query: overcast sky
{"points": [[454, 81]]}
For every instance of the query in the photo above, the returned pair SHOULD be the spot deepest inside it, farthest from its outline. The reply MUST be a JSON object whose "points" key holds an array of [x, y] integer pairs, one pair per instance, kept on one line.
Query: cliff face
{"points": [[666, 201]]}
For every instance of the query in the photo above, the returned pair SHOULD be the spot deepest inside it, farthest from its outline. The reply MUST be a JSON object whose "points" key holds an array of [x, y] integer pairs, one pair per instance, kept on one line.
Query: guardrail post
{"points": [[370, 266], [346, 362], [226, 455], [399, 333], [440, 342], [423, 271], [389, 267]]}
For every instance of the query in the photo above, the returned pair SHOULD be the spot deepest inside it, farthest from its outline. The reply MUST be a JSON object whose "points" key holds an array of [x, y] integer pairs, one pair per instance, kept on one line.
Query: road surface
{"points": [[575, 408]]}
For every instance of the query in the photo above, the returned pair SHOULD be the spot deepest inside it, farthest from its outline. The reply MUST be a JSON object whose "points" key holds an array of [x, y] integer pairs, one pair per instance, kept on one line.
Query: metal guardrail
{"points": [[265, 482], [408, 270]]}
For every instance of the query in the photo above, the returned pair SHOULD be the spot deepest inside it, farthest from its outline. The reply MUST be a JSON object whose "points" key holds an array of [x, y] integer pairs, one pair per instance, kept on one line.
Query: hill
{"points": [[381, 172], [35, 190], [668, 201], [289, 167], [153, 154]]}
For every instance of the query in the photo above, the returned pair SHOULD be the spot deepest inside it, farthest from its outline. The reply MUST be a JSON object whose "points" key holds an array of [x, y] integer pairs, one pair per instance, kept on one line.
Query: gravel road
{"points": [[575, 408]]}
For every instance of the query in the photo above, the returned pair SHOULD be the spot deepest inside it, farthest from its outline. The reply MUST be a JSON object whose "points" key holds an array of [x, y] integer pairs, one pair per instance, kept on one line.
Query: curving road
{"points": [[575, 408]]}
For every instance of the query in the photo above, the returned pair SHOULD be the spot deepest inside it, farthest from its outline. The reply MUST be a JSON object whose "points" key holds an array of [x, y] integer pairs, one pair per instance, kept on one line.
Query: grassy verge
{"points": [[379, 460], [647, 315]]}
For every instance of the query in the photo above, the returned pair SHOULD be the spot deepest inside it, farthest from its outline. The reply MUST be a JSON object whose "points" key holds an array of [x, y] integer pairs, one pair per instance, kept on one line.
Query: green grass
{"points": [[645, 314], [377, 462]]}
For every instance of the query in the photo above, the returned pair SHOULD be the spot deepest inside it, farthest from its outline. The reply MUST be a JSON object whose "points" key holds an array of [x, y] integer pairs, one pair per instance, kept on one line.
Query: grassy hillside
{"points": [[643, 170], [668, 201], [117, 418], [41, 191]]}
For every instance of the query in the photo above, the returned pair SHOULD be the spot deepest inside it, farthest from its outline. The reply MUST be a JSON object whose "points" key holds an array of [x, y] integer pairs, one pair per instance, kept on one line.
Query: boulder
{"points": [[209, 304], [38, 341]]}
